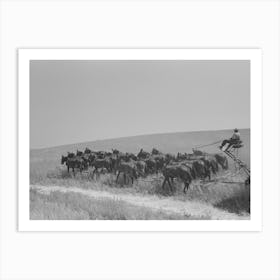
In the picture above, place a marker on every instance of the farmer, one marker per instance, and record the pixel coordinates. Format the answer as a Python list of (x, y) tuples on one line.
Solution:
[(235, 139)]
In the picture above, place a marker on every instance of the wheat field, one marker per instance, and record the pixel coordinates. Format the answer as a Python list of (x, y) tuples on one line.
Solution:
[(56, 194)]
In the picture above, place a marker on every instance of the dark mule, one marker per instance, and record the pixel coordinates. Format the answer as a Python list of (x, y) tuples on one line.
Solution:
[(130, 156), (141, 167), (181, 156), (179, 171), (143, 155), (211, 163), (73, 162), (169, 158), (151, 165), (87, 151), (79, 153), (222, 161), (128, 169), (155, 152), (198, 152), (160, 161), (64, 159), (201, 169), (101, 163)]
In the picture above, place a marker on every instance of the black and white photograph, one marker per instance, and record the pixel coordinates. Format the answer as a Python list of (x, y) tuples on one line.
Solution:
[(139, 139)]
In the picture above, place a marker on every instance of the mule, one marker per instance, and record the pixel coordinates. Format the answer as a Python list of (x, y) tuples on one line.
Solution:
[(179, 171), (128, 169)]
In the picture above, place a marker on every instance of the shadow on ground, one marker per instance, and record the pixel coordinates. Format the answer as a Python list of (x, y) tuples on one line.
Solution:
[(238, 203)]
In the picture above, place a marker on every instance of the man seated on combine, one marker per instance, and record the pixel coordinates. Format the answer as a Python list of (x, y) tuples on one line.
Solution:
[(235, 139)]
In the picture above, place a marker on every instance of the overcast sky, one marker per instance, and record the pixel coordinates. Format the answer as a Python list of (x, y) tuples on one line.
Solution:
[(78, 101)]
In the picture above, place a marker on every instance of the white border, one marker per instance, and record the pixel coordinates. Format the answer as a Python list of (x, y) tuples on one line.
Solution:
[(254, 55)]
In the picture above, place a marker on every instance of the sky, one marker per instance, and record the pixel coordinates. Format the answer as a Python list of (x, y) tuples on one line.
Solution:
[(78, 101)]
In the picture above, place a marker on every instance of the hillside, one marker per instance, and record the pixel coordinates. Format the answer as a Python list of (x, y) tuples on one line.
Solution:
[(55, 194), (167, 143)]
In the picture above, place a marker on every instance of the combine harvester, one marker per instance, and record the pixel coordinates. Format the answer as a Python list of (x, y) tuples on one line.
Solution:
[(233, 153)]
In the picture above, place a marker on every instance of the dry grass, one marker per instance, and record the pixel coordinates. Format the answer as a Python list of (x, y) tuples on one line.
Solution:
[(73, 206), (221, 192)]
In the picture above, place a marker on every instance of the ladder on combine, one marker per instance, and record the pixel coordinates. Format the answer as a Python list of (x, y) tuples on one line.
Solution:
[(240, 163)]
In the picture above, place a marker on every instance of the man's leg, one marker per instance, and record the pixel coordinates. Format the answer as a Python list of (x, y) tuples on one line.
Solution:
[(226, 141), (230, 143)]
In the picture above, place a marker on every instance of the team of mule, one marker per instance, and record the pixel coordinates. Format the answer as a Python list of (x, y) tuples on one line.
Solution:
[(184, 167)]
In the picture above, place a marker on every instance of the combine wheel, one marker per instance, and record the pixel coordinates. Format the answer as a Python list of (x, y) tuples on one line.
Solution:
[(247, 182)]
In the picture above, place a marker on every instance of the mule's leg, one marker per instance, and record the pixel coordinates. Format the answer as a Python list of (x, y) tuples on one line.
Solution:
[(131, 180), (94, 173), (186, 186), (164, 183), (118, 176), (68, 168), (98, 173), (170, 186), (209, 175), (124, 178)]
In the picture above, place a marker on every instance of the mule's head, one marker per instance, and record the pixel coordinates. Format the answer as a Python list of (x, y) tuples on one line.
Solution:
[(133, 156), (70, 155), (140, 153), (63, 159), (197, 152), (87, 151), (115, 151), (155, 151)]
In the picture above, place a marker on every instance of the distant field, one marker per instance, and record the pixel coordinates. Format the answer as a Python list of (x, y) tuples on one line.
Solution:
[(225, 192)]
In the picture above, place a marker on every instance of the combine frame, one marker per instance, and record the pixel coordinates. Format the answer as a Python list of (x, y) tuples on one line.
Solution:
[(239, 162)]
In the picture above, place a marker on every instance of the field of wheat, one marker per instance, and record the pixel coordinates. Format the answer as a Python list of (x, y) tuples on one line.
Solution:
[(57, 194), (226, 191)]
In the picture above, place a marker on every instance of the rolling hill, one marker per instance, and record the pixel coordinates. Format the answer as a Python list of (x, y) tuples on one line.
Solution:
[(55, 194)]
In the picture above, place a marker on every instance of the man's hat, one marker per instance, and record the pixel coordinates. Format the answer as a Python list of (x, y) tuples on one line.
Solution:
[(235, 130)]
